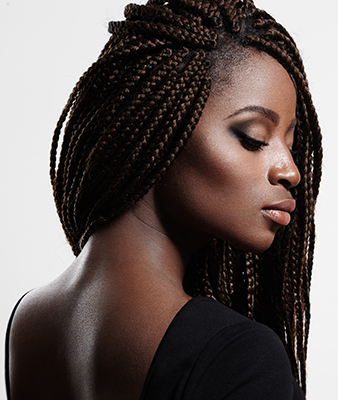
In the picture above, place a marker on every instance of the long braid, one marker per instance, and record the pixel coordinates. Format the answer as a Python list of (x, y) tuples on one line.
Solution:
[(132, 113), (250, 272), (225, 279)]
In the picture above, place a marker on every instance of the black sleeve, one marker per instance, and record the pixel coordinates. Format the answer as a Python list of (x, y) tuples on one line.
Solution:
[(245, 362)]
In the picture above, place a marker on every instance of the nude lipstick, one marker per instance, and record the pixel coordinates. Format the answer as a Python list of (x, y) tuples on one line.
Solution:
[(280, 212)]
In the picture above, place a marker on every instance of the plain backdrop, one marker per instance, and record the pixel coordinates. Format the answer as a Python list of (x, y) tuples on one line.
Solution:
[(44, 47)]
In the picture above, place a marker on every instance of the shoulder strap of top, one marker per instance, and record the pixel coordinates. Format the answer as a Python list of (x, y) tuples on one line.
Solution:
[(8, 331)]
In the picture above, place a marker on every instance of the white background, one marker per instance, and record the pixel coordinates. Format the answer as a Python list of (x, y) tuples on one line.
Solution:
[(44, 47)]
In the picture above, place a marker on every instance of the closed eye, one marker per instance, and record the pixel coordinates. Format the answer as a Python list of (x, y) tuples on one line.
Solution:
[(247, 141)]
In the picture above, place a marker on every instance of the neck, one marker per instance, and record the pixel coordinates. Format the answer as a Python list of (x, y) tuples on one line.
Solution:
[(141, 250)]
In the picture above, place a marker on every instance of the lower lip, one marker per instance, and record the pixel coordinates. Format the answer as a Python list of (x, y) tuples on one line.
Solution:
[(278, 216)]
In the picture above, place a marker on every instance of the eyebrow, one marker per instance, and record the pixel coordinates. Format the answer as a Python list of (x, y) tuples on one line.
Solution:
[(269, 114)]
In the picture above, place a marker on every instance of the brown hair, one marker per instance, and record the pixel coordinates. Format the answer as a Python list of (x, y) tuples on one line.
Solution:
[(131, 114)]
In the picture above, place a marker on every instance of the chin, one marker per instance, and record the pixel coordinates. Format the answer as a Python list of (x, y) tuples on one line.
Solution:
[(257, 245)]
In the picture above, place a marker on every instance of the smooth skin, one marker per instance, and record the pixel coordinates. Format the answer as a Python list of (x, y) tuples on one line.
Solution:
[(93, 332)]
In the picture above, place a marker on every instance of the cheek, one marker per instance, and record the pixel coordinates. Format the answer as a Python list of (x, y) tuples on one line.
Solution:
[(211, 184), (223, 173), (218, 191)]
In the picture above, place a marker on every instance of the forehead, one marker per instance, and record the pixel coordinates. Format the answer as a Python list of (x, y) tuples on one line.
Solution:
[(261, 81)]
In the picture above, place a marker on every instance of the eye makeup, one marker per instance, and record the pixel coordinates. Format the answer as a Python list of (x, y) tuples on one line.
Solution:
[(248, 142)]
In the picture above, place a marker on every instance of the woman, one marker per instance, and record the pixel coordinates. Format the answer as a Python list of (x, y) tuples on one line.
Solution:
[(187, 145)]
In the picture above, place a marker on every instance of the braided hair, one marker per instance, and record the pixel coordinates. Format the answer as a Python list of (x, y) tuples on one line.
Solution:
[(130, 116)]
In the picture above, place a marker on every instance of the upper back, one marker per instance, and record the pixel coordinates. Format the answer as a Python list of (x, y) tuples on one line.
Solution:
[(73, 339), (59, 345)]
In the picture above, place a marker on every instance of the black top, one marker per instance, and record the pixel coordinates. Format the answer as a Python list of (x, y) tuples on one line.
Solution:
[(210, 352)]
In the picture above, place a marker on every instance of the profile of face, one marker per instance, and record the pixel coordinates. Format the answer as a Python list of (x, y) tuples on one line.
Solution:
[(233, 179)]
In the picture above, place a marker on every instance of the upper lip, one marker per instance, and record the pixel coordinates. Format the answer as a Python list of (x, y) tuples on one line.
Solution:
[(287, 205)]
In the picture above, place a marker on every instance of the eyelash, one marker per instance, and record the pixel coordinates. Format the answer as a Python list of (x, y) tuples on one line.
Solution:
[(294, 153), (252, 144), (248, 142)]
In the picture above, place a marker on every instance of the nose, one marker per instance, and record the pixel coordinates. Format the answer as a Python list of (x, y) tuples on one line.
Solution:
[(284, 171)]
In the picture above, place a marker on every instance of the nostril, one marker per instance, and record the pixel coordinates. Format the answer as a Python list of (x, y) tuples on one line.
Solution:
[(285, 183)]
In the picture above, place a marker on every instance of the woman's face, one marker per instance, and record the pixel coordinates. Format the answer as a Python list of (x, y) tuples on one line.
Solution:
[(233, 178)]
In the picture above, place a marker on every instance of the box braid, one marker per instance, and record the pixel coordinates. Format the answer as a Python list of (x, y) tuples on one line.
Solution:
[(130, 116)]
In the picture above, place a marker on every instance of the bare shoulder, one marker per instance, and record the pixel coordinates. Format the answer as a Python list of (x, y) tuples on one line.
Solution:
[(36, 313), (34, 343), (32, 315)]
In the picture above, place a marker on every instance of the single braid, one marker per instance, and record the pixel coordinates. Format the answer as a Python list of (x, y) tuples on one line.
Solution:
[(250, 272), (225, 278)]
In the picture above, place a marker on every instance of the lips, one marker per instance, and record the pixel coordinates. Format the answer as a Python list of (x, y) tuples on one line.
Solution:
[(280, 212)]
